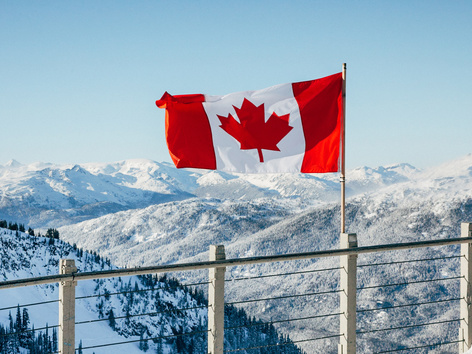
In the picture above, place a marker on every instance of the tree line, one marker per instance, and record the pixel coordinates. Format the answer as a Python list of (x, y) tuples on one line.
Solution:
[(18, 334), (50, 233)]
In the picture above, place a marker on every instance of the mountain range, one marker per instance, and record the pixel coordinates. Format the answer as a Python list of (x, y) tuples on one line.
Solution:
[(140, 212)]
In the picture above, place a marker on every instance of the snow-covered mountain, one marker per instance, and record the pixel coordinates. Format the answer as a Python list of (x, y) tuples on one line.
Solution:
[(46, 195), (396, 198), (270, 214), (108, 310), (39, 194)]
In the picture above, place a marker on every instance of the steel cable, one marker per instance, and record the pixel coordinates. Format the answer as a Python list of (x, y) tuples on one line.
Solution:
[(419, 347), (284, 297), (26, 305), (407, 261), (280, 344), (28, 330), (408, 283), (409, 326), (142, 314), (281, 274), (144, 339), (288, 320), (408, 305), (141, 291)]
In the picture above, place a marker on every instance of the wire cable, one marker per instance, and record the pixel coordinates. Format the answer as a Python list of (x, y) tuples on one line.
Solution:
[(26, 305), (407, 261), (283, 297), (408, 305), (419, 347), (282, 274), (144, 339), (408, 283), (409, 326), (288, 320), (142, 314), (280, 344), (140, 291), (28, 330)]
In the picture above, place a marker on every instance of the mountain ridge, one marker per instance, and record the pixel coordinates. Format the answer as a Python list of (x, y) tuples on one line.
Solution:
[(273, 214)]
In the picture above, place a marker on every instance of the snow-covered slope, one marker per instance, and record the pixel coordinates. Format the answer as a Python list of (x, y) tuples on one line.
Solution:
[(387, 205), (399, 198), (272, 214), (24, 256), (116, 310), (46, 195)]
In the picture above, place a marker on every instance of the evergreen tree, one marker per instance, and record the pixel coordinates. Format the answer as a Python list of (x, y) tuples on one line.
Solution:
[(111, 319), (10, 320), (25, 337), (3, 336), (52, 233), (159, 346), (127, 314), (54, 340), (32, 342), (100, 306), (18, 321), (39, 343), (145, 346), (141, 340), (46, 340)]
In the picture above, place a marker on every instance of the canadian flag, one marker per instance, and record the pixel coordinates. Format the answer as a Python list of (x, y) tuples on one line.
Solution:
[(285, 128)]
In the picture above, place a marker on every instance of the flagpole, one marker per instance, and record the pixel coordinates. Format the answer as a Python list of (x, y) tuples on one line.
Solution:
[(343, 154)]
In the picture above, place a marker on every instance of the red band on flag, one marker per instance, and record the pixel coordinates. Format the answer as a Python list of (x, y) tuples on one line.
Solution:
[(189, 136), (320, 104)]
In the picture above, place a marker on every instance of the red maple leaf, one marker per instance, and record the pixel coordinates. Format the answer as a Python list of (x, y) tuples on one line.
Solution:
[(252, 131)]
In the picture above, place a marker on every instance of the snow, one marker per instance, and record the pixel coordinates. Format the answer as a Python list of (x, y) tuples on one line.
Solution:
[(149, 305), (39, 261), (75, 193), (261, 215), (24, 256)]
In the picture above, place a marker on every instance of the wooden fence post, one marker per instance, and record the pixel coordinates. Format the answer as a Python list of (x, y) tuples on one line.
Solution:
[(67, 308), (216, 302), (348, 294), (465, 330)]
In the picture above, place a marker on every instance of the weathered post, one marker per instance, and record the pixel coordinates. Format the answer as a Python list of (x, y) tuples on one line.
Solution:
[(67, 308), (348, 293), (465, 330), (216, 302)]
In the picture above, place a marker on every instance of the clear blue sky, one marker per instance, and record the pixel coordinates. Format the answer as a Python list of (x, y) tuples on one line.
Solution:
[(79, 79)]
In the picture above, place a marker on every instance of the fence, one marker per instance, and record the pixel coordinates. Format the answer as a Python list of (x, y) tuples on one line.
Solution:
[(217, 265)]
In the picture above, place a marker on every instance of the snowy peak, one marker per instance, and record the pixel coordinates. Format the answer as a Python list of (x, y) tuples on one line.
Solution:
[(72, 193), (76, 192), (366, 179), (146, 175), (458, 168), (13, 164)]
